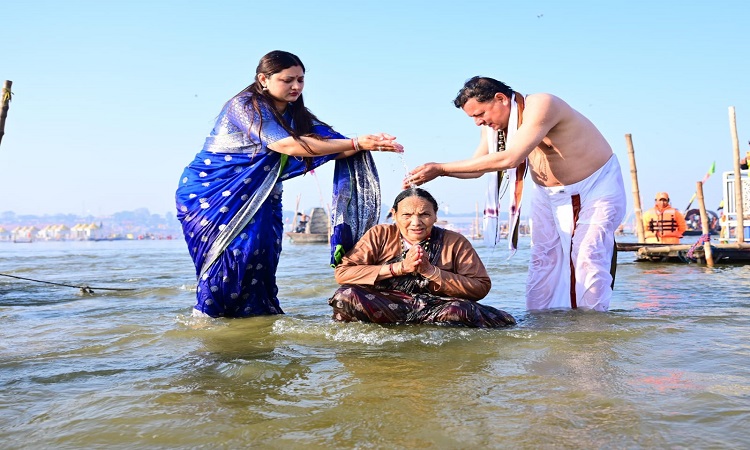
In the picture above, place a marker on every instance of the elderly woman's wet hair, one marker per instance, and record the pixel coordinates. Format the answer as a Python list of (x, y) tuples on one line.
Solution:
[(482, 89), (415, 192)]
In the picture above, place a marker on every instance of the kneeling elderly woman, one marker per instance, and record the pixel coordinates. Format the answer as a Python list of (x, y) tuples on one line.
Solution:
[(413, 272)]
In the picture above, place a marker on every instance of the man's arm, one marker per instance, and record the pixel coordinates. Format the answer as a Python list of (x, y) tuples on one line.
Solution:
[(542, 113)]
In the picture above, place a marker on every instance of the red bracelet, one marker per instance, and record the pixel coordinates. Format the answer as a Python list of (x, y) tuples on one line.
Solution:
[(390, 267), (353, 147)]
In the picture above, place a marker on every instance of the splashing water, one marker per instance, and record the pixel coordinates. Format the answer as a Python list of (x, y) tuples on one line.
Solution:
[(406, 170)]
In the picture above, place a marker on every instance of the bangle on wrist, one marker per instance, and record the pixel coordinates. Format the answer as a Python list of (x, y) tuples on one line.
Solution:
[(432, 276), (390, 268), (355, 143)]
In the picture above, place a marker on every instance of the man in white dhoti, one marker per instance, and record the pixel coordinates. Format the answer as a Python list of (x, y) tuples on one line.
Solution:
[(579, 196)]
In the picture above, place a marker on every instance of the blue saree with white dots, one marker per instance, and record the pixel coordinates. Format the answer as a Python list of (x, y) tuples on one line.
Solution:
[(229, 205)]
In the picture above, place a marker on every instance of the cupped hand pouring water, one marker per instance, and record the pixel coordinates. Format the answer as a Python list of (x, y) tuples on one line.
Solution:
[(423, 174), (380, 142)]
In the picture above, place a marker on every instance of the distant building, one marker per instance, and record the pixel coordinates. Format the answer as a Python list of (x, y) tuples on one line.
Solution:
[(86, 232), (61, 232), (24, 234), (57, 232)]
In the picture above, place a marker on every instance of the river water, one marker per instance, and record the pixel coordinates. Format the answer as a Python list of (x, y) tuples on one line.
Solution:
[(667, 367)]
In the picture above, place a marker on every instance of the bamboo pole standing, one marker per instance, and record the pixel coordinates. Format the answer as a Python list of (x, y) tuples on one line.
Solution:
[(5, 97), (636, 191), (704, 225), (740, 231)]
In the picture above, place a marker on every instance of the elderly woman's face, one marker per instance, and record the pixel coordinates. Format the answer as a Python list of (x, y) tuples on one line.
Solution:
[(415, 217)]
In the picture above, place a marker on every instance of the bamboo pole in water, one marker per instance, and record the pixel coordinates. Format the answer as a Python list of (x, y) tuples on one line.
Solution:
[(5, 97), (740, 232), (636, 191), (704, 224)]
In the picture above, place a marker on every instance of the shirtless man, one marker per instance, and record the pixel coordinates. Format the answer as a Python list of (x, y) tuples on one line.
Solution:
[(579, 196)]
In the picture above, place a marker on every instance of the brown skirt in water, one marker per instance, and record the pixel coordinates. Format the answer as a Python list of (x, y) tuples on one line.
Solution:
[(352, 303)]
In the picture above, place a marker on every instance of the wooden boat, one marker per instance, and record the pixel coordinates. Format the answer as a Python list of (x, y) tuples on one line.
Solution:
[(314, 230), (694, 225)]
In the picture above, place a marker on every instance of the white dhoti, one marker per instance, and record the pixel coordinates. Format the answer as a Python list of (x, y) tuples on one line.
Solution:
[(573, 241)]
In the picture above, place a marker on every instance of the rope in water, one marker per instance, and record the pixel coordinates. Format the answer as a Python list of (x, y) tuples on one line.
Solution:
[(84, 289)]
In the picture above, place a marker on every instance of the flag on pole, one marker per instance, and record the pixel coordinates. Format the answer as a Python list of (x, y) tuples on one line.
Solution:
[(711, 171)]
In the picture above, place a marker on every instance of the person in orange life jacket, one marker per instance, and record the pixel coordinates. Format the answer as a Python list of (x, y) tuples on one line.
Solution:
[(663, 224)]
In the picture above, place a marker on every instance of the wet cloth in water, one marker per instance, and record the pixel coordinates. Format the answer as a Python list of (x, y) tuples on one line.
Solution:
[(352, 303), (229, 205)]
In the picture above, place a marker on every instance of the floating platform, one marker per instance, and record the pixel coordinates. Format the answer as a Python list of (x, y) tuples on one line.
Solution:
[(733, 253)]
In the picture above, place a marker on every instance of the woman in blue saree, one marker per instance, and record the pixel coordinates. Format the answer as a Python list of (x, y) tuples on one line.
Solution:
[(229, 196)]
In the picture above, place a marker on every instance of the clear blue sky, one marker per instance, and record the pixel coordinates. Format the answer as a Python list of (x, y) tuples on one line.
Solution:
[(113, 99)]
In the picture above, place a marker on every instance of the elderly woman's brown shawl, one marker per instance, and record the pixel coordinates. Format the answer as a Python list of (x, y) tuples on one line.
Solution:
[(406, 300)]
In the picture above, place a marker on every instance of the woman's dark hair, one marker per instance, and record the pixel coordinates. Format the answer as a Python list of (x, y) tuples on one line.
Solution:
[(415, 192), (303, 119), (483, 89)]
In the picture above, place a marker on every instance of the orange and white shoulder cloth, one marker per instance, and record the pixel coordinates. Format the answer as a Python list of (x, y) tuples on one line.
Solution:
[(514, 179)]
